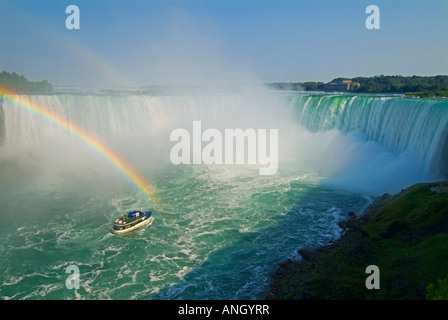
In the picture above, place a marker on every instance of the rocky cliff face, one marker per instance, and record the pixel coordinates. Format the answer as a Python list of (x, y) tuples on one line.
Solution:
[(405, 235)]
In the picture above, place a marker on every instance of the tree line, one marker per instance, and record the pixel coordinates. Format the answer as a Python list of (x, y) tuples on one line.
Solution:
[(19, 83), (422, 86)]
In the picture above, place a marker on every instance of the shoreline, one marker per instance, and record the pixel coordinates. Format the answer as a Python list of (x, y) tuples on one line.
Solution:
[(405, 235)]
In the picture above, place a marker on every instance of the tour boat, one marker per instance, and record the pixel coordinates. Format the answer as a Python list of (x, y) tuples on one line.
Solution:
[(131, 221)]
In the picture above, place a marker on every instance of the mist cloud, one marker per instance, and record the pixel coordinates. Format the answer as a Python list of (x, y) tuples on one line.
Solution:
[(190, 51)]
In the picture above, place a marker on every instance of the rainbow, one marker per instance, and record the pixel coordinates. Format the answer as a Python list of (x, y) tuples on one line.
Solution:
[(96, 62), (93, 142)]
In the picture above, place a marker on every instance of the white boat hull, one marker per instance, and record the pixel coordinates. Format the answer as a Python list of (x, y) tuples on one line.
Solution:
[(134, 227)]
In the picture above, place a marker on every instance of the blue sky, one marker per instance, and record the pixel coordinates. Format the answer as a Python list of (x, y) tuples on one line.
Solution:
[(140, 42)]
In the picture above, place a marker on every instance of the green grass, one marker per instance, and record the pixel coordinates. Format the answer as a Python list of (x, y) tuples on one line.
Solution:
[(437, 291)]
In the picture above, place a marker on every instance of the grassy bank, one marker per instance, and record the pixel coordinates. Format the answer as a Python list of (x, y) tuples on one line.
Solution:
[(405, 235)]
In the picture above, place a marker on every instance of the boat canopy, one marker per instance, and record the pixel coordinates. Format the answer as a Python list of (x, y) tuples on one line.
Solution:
[(137, 213)]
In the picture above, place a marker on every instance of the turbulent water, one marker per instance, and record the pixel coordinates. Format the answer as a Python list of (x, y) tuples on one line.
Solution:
[(220, 229)]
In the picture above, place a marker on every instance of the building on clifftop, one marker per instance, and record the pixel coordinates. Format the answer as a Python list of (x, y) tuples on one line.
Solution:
[(342, 85)]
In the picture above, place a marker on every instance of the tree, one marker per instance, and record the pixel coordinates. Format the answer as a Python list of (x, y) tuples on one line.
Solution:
[(19, 83)]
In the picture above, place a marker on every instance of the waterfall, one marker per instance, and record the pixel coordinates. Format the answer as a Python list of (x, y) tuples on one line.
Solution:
[(400, 124), (2, 122), (138, 126)]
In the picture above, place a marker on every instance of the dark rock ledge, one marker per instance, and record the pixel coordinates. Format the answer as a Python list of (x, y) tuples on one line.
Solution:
[(389, 235)]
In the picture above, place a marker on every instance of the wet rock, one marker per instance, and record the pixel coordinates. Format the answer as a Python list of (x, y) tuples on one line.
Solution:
[(352, 223), (309, 255), (284, 263)]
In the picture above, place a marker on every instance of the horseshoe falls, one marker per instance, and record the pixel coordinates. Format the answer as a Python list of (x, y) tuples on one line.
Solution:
[(413, 131), (220, 230)]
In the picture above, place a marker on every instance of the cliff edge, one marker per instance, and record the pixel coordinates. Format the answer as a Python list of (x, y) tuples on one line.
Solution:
[(405, 236)]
